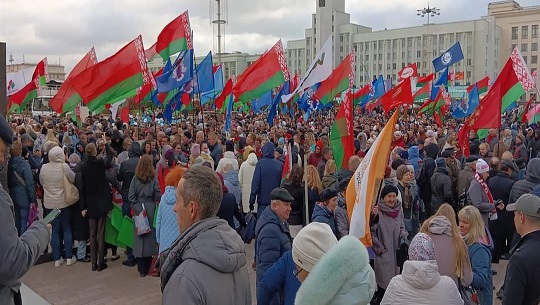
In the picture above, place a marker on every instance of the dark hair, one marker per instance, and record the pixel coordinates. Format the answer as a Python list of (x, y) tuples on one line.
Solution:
[(202, 185), (296, 175), (145, 169)]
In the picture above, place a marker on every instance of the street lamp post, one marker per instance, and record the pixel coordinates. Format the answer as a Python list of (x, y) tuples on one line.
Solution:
[(429, 12)]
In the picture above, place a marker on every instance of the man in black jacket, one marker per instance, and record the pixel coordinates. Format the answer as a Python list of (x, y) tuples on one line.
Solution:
[(426, 170), (441, 186), (125, 175), (523, 271)]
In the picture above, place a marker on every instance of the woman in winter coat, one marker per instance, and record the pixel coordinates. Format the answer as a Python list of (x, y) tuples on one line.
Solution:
[(295, 187), (228, 209), (479, 243), (410, 200), (96, 203), (245, 176), (144, 192), (479, 192), (329, 178), (166, 223), (52, 179), (388, 233), (21, 186), (420, 281), (341, 276), (79, 224), (230, 177), (451, 252), (314, 188)]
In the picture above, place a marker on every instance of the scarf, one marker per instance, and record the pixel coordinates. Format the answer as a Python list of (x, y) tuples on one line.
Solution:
[(407, 195), (392, 212), (484, 187)]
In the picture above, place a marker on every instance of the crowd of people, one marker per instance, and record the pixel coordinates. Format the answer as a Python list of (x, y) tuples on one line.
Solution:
[(441, 220)]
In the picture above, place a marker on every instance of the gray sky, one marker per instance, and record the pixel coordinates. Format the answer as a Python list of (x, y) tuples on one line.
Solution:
[(65, 29)]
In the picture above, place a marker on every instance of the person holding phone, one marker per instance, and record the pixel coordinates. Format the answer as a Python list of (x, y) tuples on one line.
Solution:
[(17, 254)]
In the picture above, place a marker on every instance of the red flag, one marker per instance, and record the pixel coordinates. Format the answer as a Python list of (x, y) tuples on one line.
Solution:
[(422, 80), (527, 107), (408, 71), (488, 112), (463, 139), (185, 99), (342, 133), (124, 114), (227, 90), (287, 166), (337, 82), (373, 104), (399, 95), (460, 75), (175, 37)]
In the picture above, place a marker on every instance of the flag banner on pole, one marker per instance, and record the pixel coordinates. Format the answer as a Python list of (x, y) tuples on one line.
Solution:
[(399, 95), (17, 80), (448, 58), (342, 133), (442, 80), (204, 75), (178, 74), (364, 186), (510, 86), (407, 72), (425, 79), (522, 71), (175, 37), (319, 70), (482, 86), (337, 82)]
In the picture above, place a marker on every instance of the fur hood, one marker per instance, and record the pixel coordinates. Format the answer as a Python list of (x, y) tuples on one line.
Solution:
[(342, 276)]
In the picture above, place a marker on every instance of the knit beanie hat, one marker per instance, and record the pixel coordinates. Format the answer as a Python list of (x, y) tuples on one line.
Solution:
[(440, 163), (401, 171), (229, 146), (421, 248), (311, 243), (482, 166), (387, 189)]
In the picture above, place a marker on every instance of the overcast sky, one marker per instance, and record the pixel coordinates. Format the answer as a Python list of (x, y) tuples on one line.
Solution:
[(65, 29)]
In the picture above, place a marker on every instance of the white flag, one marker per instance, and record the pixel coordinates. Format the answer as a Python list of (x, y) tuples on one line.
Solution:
[(16, 80), (319, 70), (114, 108)]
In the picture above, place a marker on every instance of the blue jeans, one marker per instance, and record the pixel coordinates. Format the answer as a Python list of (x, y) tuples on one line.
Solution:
[(81, 249), (21, 220), (62, 223), (126, 211)]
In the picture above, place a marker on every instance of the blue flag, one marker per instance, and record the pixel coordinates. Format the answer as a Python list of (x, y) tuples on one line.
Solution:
[(450, 57), (171, 107), (442, 80), (264, 100), (218, 86), (466, 107), (285, 89), (178, 75), (204, 76), (306, 101), (229, 110), (378, 89)]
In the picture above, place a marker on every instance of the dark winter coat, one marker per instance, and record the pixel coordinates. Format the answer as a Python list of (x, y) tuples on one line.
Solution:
[(273, 239), (313, 198), (216, 152), (523, 272), (96, 196), (279, 277), (323, 215), (79, 224), (297, 206), (500, 187), (127, 169), (464, 180), (267, 177), (424, 175), (21, 194), (532, 180), (228, 210), (441, 188)]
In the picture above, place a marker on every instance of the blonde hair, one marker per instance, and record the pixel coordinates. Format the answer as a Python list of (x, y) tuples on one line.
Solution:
[(312, 179), (310, 138), (462, 261), (330, 167), (51, 137), (471, 215)]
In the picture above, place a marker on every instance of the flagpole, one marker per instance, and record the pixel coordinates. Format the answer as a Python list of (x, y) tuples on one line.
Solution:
[(306, 201)]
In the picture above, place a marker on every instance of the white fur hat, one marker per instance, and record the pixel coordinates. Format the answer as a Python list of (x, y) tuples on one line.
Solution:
[(482, 166), (311, 243)]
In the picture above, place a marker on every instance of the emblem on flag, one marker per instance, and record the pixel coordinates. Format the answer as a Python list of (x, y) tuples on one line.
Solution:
[(446, 58)]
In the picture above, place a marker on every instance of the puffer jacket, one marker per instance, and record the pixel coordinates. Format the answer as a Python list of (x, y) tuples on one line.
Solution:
[(342, 276), (323, 215), (232, 183), (531, 181), (480, 200), (441, 188), (206, 265), (245, 176), (420, 283), (22, 194), (228, 158), (52, 180), (267, 176), (167, 230), (127, 169), (273, 239), (279, 277), (480, 255)]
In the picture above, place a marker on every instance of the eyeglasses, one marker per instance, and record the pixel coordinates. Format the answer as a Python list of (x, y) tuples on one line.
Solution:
[(296, 272)]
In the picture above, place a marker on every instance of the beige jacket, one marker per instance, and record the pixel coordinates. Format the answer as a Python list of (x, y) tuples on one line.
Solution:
[(51, 178)]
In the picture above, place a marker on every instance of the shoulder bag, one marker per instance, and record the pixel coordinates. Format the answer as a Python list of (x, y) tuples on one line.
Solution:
[(71, 194)]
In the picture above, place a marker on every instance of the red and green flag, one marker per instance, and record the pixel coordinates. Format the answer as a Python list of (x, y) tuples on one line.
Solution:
[(76, 115), (265, 74), (483, 86), (18, 100), (175, 37), (523, 115), (225, 93), (422, 93), (425, 79), (337, 82), (342, 133), (509, 86), (115, 78), (41, 75), (67, 99), (533, 115), (144, 93), (362, 94)]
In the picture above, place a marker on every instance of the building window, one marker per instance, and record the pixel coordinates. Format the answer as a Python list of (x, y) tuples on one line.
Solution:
[(418, 54), (341, 48), (388, 56), (534, 31), (418, 65), (387, 66), (322, 3), (367, 57), (525, 59), (534, 46), (468, 74), (469, 62), (524, 47), (534, 59), (394, 66), (341, 38), (380, 67), (525, 32), (367, 47)]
